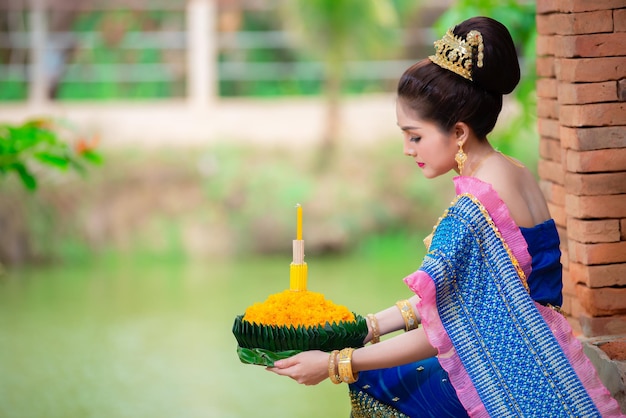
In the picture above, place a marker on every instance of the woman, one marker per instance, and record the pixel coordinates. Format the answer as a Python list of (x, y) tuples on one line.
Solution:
[(487, 293)]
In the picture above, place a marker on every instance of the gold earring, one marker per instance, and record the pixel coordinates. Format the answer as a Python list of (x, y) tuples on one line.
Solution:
[(460, 157)]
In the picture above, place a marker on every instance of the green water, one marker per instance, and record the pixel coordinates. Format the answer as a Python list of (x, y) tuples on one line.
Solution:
[(119, 337)]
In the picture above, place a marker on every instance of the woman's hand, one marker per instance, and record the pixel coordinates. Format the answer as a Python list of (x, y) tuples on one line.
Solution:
[(307, 368)]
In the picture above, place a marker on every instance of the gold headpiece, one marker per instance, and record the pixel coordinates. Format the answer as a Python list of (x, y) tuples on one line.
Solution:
[(455, 54)]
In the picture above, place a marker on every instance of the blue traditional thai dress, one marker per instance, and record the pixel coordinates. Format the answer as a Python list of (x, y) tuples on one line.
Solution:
[(488, 294)]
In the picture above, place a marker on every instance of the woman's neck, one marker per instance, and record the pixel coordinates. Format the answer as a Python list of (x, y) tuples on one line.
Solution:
[(476, 156)]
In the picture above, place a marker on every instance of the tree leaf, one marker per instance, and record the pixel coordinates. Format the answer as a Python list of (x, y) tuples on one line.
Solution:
[(92, 157), (54, 160), (27, 178)]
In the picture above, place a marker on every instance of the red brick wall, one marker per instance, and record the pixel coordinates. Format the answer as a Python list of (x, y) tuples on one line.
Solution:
[(581, 108)]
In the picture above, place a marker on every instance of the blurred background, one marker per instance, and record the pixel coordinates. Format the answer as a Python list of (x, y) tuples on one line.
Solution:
[(151, 157)]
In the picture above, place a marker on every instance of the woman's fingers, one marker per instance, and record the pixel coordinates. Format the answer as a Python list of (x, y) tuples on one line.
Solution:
[(308, 368), (288, 362)]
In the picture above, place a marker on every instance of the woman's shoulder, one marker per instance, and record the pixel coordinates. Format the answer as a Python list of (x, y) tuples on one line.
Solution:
[(517, 188), (488, 198)]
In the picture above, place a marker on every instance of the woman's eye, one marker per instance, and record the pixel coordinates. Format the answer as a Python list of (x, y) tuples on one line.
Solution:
[(414, 138)]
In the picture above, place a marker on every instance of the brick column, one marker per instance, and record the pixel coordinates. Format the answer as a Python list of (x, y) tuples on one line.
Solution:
[(581, 89)]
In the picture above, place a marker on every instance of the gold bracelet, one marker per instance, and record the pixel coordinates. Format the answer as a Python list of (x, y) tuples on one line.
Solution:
[(375, 330), (345, 366), (410, 320), (332, 370)]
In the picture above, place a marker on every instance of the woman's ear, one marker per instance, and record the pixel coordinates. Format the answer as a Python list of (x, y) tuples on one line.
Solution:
[(461, 132)]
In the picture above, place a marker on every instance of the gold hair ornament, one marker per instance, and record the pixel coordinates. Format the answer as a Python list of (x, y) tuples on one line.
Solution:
[(455, 54)]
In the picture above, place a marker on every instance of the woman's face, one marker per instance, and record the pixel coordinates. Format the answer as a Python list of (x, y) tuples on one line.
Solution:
[(432, 149)]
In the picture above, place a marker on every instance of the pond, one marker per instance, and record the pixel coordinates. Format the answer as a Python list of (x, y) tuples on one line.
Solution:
[(117, 337)]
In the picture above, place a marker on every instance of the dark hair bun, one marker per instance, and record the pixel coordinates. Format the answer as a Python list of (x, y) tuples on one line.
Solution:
[(500, 72)]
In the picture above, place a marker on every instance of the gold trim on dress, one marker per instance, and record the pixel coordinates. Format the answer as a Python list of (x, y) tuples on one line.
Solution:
[(365, 406), (494, 227)]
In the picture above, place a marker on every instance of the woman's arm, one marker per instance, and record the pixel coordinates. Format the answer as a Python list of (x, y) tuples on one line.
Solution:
[(311, 367), (391, 320), (401, 349)]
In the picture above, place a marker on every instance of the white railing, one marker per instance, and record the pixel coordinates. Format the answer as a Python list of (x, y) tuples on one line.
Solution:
[(199, 42), (43, 49)]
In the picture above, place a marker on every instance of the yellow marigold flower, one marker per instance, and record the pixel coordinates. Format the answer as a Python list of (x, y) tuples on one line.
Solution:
[(301, 308)]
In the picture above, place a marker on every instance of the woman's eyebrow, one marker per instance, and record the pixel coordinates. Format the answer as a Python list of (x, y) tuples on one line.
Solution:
[(408, 128)]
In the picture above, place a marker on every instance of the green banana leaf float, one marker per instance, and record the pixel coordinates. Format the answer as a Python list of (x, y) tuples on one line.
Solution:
[(264, 344)]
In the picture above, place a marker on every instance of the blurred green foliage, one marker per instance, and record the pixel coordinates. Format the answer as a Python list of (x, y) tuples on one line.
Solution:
[(225, 200), (326, 32), (28, 147)]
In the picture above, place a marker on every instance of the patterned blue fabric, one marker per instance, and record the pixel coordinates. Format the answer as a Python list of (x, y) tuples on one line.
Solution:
[(419, 389), (422, 389), (510, 354)]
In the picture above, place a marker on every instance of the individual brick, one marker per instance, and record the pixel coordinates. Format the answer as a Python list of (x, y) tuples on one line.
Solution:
[(564, 247), (602, 326), (577, 6), (581, 93), (595, 184), (568, 291), (576, 307), (545, 66), (598, 161), (545, 24), (596, 207), (594, 114), (598, 21), (593, 231), (548, 108), (594, 45), (550, 170), (594, 138), (547, 88), (590, 70), (619, 20), (545, 45), (557, 212), (597, 253), (549, 128), (602, 275), (566, 306), (550, 149), (554, 193), (602, 301), (546, 6)]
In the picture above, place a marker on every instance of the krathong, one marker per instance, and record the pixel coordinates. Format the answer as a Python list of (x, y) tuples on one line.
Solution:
[(296, 319)]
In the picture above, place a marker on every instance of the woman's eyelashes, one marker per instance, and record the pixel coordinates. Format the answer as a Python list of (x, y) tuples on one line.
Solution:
[(415, 138)]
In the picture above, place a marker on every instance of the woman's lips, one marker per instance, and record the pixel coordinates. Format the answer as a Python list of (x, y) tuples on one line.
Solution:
[(421, 165)]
